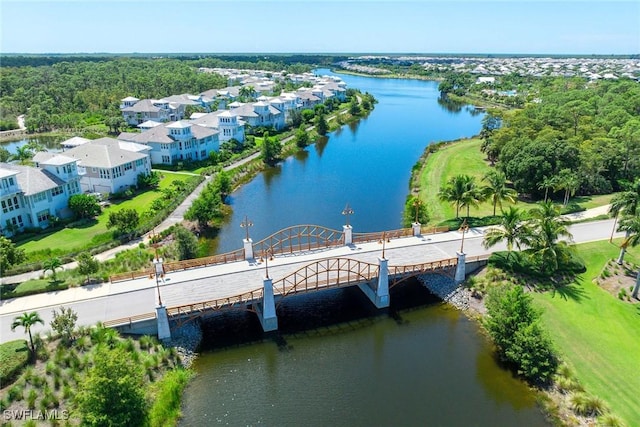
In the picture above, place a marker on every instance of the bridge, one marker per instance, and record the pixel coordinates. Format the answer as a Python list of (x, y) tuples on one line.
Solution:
[(260, 276), (303, 258)]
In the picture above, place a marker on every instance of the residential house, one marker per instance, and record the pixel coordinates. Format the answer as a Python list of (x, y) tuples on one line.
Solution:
[(228, 124), (260, 114), (175, 142), (107, 165), (30, 196), (148, 109)]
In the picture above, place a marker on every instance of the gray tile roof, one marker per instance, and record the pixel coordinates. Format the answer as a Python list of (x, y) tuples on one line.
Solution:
[(32, 180), (160, 134), (142, 106), (103, 153)]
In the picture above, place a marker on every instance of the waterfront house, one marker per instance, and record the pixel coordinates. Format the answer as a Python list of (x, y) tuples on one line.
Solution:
[(107, 165), (227, 123), (260, 114), (30, 196), (147, 109), (174, 142)]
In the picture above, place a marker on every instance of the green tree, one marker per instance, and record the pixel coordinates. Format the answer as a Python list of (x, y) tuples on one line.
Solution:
[(627, 204), (354, 107), (5, 155), (186, 243), (222, 184), (322, 127), (271, 149), (10, 254), (307, 115), (23, 154), (124, 221), (497, 190), (302, 137), (454, 191), (568, 181), (150, 180), (631, 225), (112, 393), (513, 324), (52, 264), (207, 207), (84, 206), (26, 321), (64, 324), (415, 211), (548, 227), (87, 264), (512, 228)]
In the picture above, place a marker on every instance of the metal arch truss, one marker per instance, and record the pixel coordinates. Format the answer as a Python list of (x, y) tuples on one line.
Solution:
[(299, 238), (324, 274)]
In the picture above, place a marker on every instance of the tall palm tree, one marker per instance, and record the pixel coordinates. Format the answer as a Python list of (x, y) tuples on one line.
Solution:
[(631, 224), (454, 192), (27, 320), (548, 227), (512, 228), (473, 194), (626, 203), (52, 264), (496, 189)]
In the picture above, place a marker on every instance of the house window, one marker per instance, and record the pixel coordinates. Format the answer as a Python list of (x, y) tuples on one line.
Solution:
[(139, 162), (43, 215), (39, 197), (105, 173), (203, 154), (57, 191), (128, 166), (166, 159), (10, 204)]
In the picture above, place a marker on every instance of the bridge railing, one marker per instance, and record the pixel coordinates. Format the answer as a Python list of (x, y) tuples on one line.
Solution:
[(433, 230), (120, 277), (215, 304), (129, 320), (237, 255), (377, 235)]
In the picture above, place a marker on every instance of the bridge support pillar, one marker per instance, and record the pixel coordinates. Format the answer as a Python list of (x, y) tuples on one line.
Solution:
[(348, 234), (267, 310), (248, 249), (164, 331), (416, 227), (461, 267), (380, 295)]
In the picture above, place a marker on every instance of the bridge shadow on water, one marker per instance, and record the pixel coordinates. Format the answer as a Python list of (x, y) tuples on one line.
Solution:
[(328, 312)]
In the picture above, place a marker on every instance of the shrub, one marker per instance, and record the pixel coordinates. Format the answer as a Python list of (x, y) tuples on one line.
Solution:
[(14, 355), (587, 405), (610, 420)]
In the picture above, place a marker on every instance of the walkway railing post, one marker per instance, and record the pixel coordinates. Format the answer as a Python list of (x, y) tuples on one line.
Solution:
[(416, 227), (162, 319), (248, 249)]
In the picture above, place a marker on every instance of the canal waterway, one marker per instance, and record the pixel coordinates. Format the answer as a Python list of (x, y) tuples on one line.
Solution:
[(335, 360), (367, 165)]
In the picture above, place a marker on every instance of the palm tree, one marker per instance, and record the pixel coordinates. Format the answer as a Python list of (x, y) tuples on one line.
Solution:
[(454, 192), (52, 264), (27, 320), (631, 224), (473, 194), (23, 154), (496, 189), (569, 182), (547, 229), (512, 228), (546, 184), (627, 204)]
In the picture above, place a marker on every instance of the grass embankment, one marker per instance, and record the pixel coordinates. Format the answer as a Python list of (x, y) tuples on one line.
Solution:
[(464, 157), (597, 334), (14, 355)]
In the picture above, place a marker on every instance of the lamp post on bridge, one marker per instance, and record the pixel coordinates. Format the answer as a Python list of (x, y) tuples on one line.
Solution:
[(347, 229), (266, 256), (383, 241), (159, 269), (162, 319), (247, 242)]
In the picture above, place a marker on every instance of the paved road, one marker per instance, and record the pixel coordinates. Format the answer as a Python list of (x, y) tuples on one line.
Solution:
[(110, 301)]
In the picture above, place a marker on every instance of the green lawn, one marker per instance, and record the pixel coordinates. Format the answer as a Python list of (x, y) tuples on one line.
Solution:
[(597, 334), (465, 157), (13, 356), (70, 238)]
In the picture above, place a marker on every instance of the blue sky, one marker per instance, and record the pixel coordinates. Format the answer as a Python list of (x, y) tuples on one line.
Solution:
[(419, 26)]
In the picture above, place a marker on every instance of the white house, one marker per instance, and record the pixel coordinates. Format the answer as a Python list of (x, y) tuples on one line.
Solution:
[(107, 165), (260, 114), (175, 142), (30, 196), (228, 124), (147, 109)]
